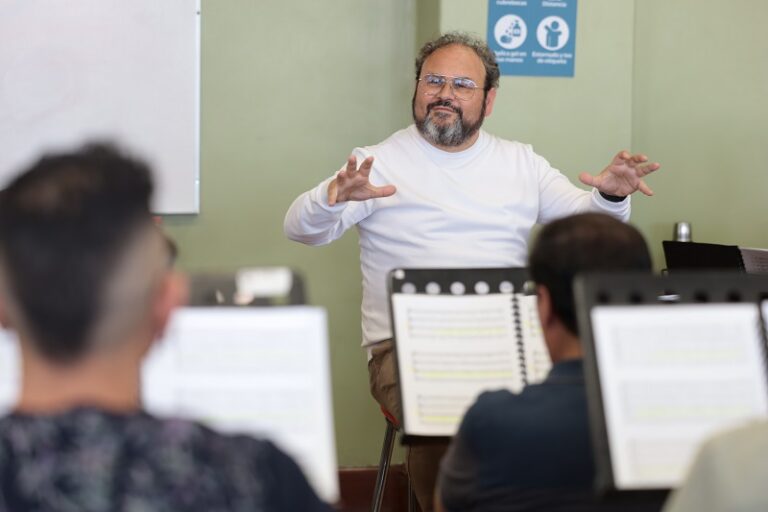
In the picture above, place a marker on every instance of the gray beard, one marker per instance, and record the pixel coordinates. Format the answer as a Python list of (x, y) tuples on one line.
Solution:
[(450, 135)]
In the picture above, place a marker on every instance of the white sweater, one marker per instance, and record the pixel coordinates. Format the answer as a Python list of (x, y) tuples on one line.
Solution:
[(474, 208)]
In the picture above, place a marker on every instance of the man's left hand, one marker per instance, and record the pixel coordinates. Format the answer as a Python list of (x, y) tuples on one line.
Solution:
[(623, 176)]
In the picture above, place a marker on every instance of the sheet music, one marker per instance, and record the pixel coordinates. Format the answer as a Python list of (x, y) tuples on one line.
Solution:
[(450, 349), (10, 370), (671, 376), (537, 361), (755, 260), (261, 371)]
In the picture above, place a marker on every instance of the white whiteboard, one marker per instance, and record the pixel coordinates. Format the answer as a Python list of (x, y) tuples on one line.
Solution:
[(128, 72)]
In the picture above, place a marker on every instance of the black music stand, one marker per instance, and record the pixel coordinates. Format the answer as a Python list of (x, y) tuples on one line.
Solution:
[(635, 289), (221, 289), (688, 256)]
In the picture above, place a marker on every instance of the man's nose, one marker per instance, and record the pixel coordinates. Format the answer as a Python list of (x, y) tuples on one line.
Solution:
[(446, 91)]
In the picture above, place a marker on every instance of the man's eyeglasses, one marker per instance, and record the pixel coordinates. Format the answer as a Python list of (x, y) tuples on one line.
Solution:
[(463, 88)]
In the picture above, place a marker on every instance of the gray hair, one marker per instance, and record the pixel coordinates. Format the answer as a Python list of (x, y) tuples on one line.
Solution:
[(473, 43)]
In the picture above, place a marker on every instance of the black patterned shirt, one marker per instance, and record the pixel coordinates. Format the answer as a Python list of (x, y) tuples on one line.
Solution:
[(87, 460)]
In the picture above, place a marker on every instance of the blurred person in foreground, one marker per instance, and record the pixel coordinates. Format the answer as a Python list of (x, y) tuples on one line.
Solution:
[(728, 473), (86, 283)]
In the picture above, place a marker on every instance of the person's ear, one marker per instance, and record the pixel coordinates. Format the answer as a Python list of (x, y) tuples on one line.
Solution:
[(544, 303), (490, 98), (172, 292), (5, 319)]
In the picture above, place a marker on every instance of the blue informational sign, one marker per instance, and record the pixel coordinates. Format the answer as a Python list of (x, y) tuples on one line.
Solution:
[(533, 37)]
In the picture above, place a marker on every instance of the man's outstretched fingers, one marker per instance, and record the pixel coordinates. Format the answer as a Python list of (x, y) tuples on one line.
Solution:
[(365, 167), (645, 189)]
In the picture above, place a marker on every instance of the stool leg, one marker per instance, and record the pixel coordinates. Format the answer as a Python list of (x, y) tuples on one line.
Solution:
[(381, 475), (413, 506)]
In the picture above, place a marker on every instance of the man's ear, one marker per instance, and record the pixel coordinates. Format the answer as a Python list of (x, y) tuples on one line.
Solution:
[(544, 303), (5, 320), (172, 292), (490, 98)]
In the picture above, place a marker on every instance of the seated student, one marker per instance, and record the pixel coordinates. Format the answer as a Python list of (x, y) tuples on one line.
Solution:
[(728, 474), (532, 451), (85, 281)]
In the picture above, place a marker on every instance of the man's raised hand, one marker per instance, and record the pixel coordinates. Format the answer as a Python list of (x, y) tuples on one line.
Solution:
[(623, 176), (352, 184)]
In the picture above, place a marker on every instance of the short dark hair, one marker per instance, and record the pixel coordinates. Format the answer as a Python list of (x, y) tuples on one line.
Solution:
[(473, 43), (63, 225), (583, 243)]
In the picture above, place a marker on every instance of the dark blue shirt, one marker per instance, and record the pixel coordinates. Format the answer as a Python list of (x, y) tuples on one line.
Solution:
[(526, 451), (88, 460)]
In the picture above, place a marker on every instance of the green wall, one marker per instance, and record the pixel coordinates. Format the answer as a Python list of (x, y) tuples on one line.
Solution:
[(288, 89), (577, 123), (699, 107), (683, 81)]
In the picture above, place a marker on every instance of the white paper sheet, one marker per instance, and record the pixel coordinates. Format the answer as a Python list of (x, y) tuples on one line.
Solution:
[(671, 376), (261, 371), (10, 370), (450, 349)]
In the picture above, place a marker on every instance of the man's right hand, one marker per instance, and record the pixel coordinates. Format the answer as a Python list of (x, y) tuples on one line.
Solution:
[(352, 184)]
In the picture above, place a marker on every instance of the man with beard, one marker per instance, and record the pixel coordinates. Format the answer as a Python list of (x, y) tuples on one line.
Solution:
[(444, 193)]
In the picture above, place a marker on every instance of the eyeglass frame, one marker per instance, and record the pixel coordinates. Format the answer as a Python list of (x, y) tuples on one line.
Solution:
[(452, 83)]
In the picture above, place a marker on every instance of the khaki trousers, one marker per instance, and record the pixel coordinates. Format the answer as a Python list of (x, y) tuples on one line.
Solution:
[(422, 461)]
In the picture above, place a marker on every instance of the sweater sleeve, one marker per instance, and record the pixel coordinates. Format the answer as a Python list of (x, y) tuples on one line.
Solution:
[(558, 197), (311, 221)]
